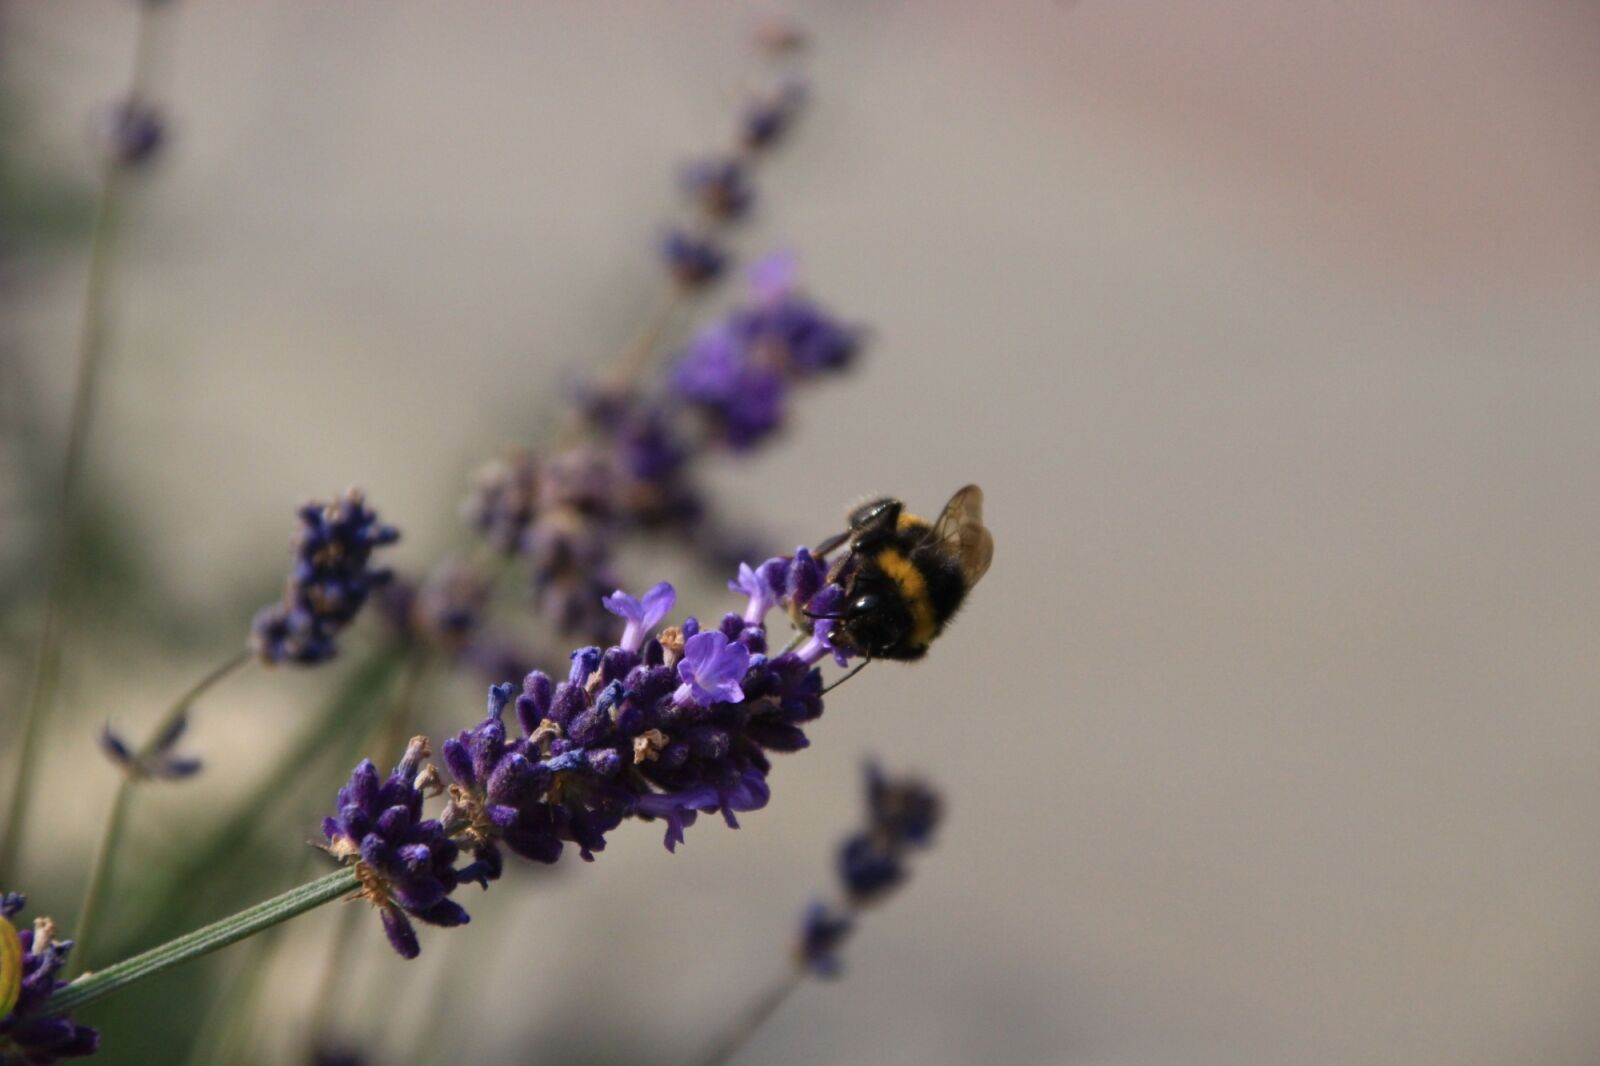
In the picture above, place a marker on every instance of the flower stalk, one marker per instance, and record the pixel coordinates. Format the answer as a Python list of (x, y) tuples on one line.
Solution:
[(100, 877), (204, 941), (93, 332)]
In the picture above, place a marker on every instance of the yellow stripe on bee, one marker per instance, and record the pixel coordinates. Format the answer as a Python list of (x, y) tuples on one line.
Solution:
[(10, 967), (914, 589), (910, 521)]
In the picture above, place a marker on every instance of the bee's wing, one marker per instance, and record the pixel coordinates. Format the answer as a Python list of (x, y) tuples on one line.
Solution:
[(961, 530)]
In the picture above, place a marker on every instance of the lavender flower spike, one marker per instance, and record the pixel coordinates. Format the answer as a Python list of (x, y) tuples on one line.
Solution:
[(667, 726), (330, 582), (641, 615), (30, 958), (711, 670)]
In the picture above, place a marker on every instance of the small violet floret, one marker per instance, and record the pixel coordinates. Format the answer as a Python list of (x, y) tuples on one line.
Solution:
[(711, 670), (641, 615)]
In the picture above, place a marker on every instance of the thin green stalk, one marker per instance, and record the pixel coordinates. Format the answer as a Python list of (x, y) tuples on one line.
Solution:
[(93, 330), (195, 869), (737, 1035), (227, 1027), (203, 941), (100, 877)]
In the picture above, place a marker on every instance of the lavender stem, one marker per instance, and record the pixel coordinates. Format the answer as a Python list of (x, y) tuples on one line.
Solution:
[(105, 858), (91, 347)]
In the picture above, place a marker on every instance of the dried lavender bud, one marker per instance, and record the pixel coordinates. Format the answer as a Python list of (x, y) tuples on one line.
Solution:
[(329, 584), (30, 959)]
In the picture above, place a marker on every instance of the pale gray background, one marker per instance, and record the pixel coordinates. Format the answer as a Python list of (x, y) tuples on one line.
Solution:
[(1270, 330)]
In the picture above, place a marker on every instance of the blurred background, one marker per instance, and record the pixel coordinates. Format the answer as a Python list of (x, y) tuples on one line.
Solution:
[(1269, 330)]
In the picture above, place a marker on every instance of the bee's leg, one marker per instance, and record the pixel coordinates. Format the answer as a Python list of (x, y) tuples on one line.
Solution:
[(845, 678), (821, 550)]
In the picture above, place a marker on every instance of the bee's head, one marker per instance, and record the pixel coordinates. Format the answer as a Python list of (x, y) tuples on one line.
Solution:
[(874, 623)]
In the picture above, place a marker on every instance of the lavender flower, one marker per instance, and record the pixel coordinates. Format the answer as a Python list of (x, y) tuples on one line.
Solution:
[(737, 372), (406, 863), (823, 932), (446, 609), (504, 500), (662, 725), (902, 814), (694, 261), (768, 118), (130, 133), (721, 186), (329, 584), (30, 959), (160, 763), (641, 615)]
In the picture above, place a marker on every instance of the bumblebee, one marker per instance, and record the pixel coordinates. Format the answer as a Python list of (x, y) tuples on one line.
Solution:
[(903, 578)]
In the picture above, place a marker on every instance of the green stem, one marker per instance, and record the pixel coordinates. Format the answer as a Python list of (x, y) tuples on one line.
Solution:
[(93, 329), (100, 877), (204, 941), (744, 1027), (215, 851)]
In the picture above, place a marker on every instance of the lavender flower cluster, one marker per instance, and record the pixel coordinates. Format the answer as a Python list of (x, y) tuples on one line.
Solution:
[(564, 513), (30, 960), (902, 814), (330, 582), (666, 725)]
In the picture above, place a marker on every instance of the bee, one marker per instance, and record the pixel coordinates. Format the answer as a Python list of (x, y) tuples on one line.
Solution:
[(904, 579)]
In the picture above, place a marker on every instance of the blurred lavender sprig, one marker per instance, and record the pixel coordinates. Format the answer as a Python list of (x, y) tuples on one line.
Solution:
[(902, 814)]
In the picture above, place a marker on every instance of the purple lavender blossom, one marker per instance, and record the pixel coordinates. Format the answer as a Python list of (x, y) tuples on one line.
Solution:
[(768, 118), (504, 500), (446, 609), (663, 725), (406, 863), (694, 261), (130, 133), (744, 399), (711, 669), (330, 582), (641, 615), (738, 371), (822, 932), (160, 763), (721, 186), (902, 814), (765, 585), (29, 1034)]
